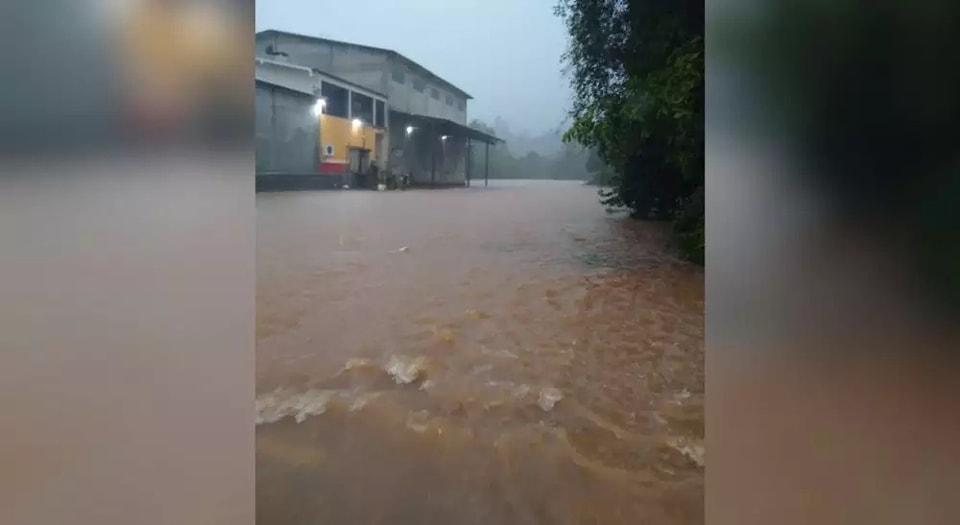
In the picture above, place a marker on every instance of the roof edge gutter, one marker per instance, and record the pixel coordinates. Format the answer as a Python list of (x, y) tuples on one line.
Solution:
[(284, 64)]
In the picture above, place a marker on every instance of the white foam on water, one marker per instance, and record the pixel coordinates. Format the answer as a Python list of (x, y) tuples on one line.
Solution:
[(689, 448), (518, 391), (504, 354), (482, 369), (406, 370), (681, 396), (281, 403), (417, 421), (362, 400), (521, 391), (357, 362), (549, 397)]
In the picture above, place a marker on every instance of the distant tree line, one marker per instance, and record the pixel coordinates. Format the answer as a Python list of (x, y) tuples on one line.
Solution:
[(637, 72), (570, 162)]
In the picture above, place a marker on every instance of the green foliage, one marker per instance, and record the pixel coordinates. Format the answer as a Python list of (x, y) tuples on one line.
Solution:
[(601, 174), (638, 75), (689, 228)]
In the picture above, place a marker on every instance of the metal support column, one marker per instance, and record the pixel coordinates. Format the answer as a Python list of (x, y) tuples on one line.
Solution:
[(486, 168), (433, 155)]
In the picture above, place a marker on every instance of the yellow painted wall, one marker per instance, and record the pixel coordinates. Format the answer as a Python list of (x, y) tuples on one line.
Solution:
[(339, 132)]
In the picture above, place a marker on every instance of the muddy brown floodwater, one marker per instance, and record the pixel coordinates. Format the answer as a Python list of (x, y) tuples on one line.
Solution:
[(511, 355)]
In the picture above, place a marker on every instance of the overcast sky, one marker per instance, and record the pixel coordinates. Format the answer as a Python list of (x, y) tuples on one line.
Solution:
[(506, 53)]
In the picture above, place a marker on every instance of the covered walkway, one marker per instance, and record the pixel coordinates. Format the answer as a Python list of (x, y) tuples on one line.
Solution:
[(438, 148)]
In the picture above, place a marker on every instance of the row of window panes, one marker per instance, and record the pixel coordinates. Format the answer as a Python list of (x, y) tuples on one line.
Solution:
[(420, 85), (363, 105)]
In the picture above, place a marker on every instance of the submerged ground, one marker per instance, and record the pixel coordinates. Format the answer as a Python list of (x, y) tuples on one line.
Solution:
[(504, 355)]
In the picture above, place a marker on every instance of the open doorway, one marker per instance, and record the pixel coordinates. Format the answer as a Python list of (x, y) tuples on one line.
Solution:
[(359, 166)]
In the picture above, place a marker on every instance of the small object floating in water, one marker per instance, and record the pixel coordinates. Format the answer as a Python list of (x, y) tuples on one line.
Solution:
[(549, 397), (404, 249)]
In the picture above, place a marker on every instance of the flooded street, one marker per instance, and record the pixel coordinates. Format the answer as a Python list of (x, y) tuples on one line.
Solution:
[(504, 355)]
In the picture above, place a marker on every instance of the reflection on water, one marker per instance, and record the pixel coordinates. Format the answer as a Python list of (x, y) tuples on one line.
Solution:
[(510, 355)]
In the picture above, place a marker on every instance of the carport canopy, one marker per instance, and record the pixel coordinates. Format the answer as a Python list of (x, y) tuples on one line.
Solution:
[(443, 126)]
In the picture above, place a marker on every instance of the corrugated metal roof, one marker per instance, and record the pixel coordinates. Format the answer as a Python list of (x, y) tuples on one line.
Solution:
[(433, 75)]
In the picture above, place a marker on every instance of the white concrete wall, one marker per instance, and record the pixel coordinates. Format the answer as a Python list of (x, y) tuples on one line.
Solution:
[(366, 68), (403, 96), (372, 70), (286, 132)]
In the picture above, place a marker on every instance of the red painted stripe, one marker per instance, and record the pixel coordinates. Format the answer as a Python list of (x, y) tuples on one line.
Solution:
[(332, 167)]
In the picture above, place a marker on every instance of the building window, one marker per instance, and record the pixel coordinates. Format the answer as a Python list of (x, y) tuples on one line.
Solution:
[(381, 116), (336, 97), (419, 84), (399, 76), (434, 93), (449, 100), (362, 107), (461, 105)]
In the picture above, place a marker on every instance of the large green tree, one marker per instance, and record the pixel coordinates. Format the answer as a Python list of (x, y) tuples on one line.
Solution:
[(637, 73)]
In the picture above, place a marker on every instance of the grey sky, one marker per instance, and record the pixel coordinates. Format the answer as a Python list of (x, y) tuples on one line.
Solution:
[(506, 53)]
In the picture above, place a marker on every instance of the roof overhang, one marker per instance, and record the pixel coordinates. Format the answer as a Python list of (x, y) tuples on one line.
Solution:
[(295, 90), (443, 126)]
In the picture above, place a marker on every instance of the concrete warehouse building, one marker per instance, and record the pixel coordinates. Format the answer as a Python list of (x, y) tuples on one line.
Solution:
[(310, 124), (329, 110)]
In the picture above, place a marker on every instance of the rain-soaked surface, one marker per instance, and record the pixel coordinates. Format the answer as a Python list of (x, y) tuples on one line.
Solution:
[(508, 355)]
